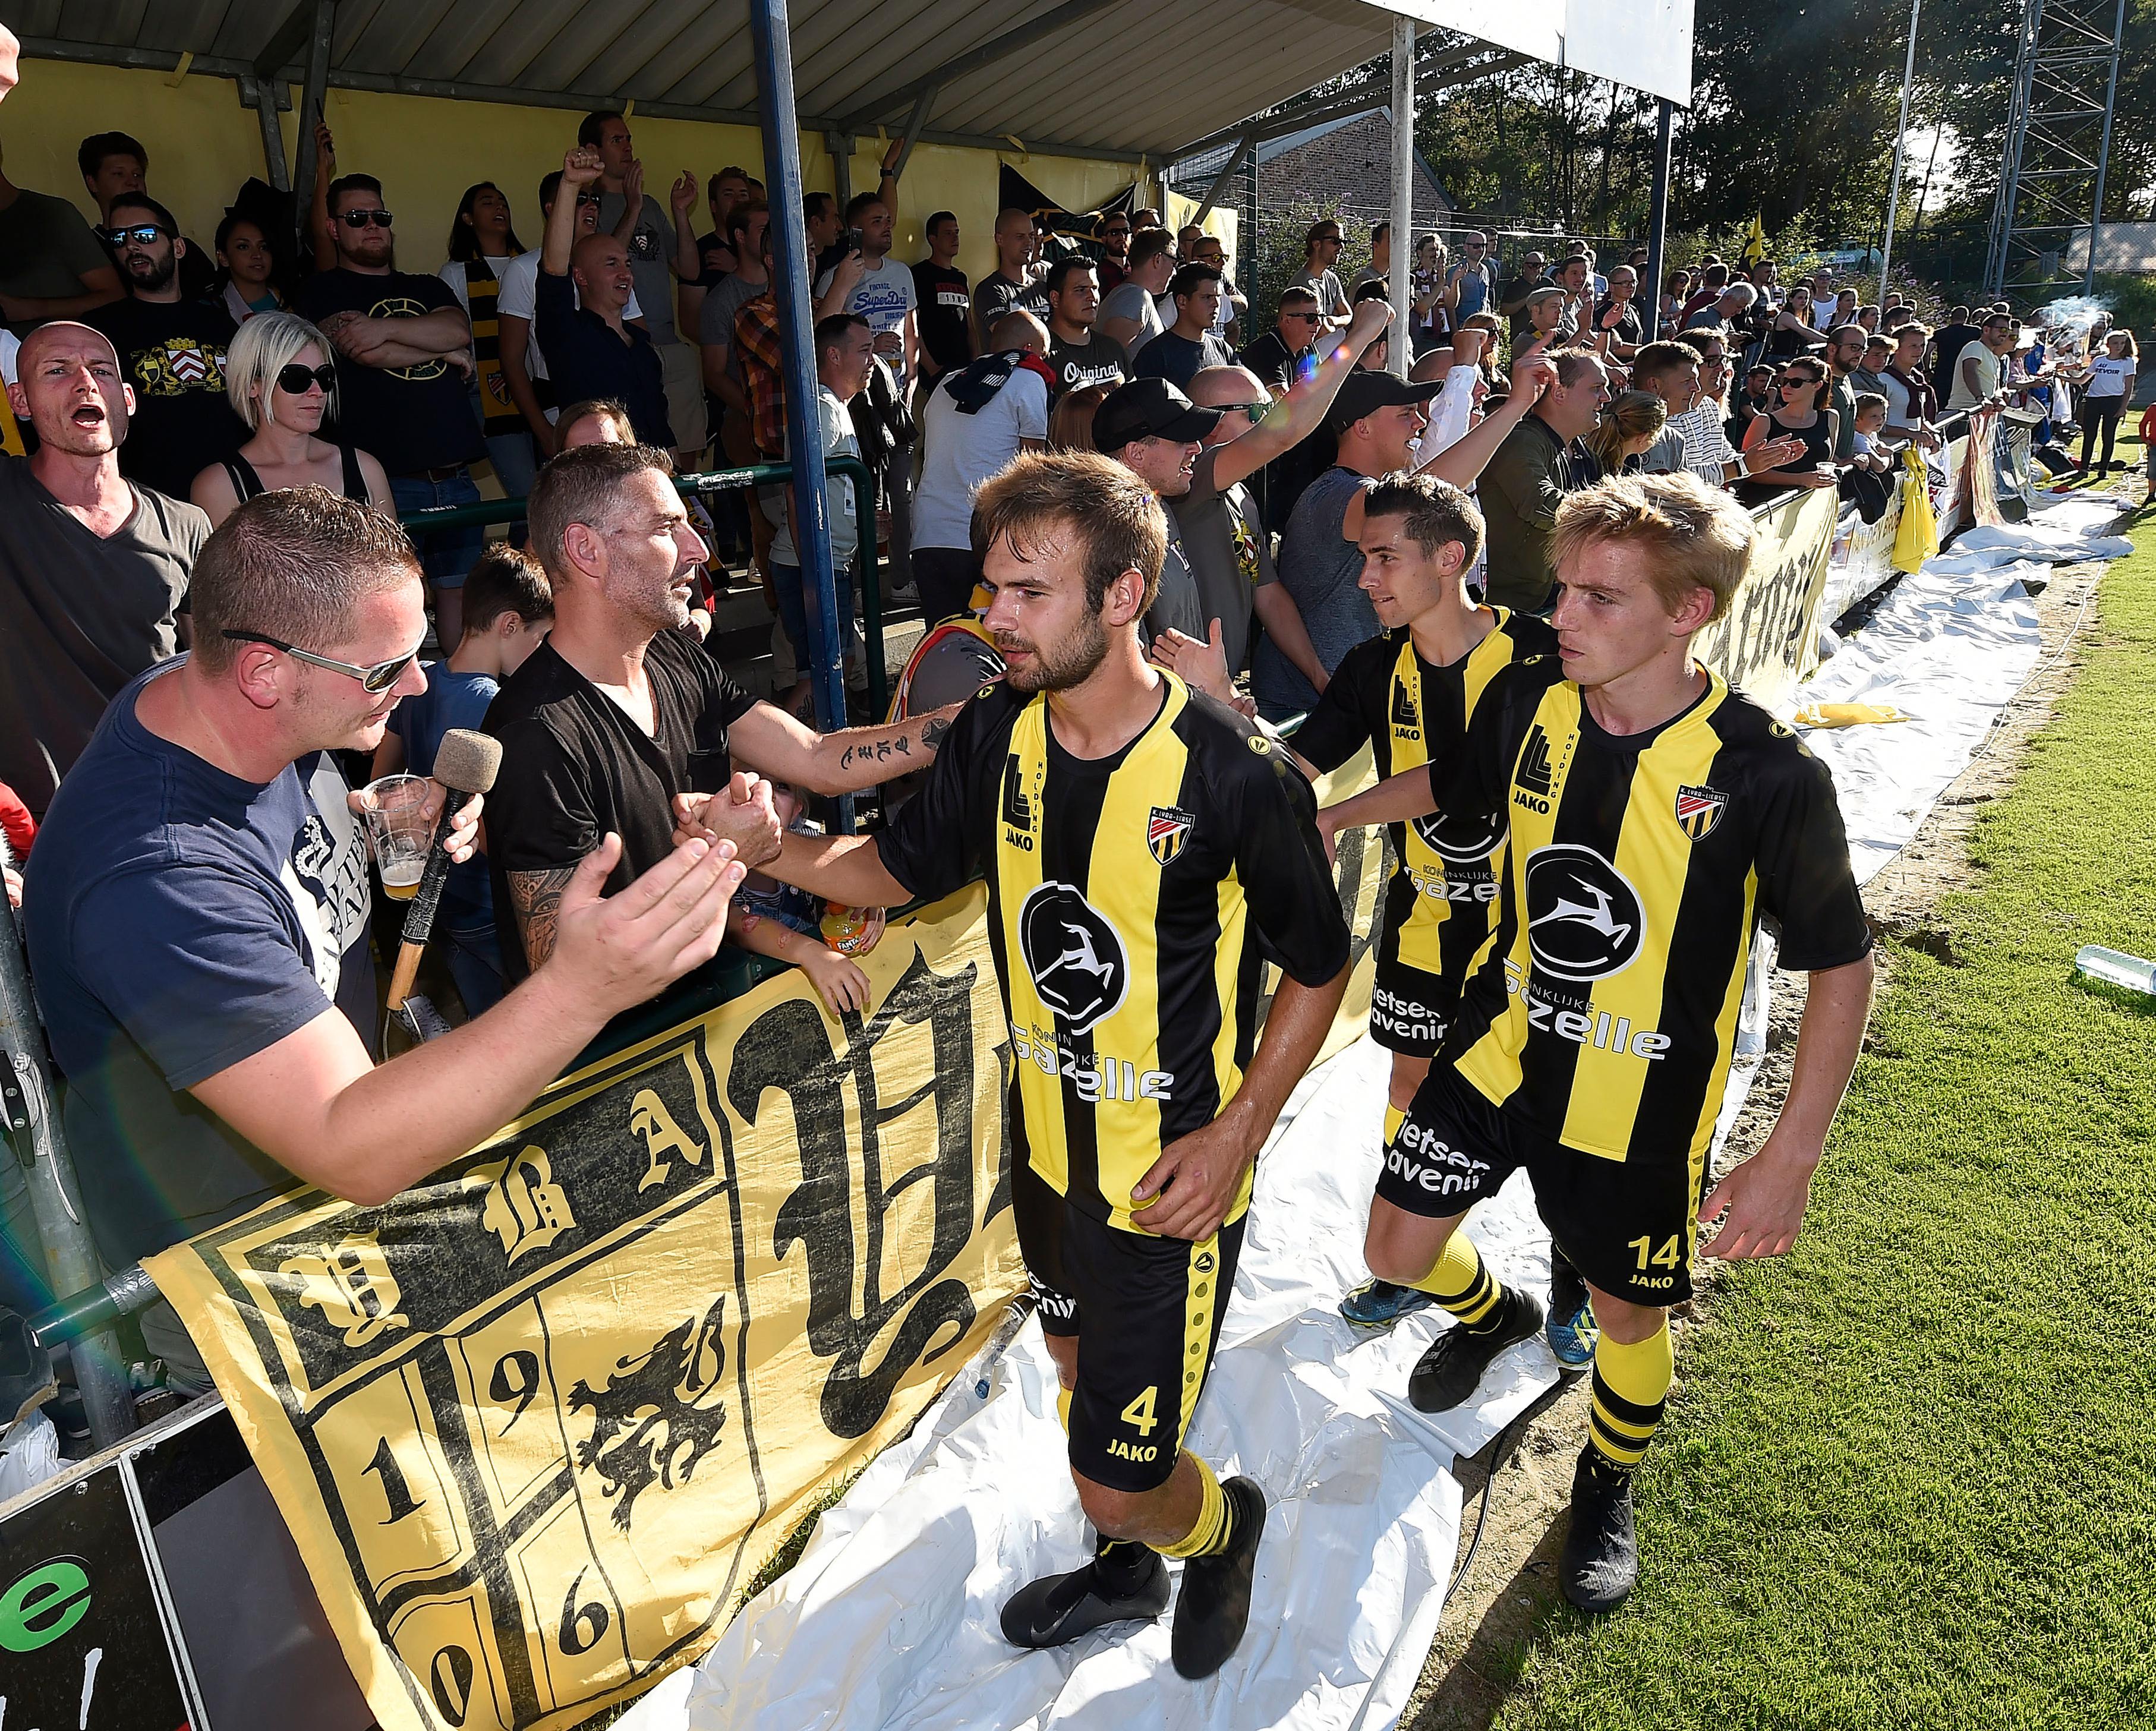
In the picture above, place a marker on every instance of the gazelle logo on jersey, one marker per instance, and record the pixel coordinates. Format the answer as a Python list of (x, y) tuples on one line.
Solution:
[(1166, 829), (1459, 841), (1585, 919), (1699, 809), (1079, 967)]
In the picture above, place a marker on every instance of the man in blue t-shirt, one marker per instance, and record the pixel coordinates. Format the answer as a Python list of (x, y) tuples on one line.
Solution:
[(197, 893), (509, 608)]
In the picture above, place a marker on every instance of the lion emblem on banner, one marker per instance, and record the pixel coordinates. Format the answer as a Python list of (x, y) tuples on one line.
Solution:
[(649, 1424)]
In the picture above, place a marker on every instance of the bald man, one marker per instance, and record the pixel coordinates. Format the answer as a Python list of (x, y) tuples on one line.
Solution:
[(584, 287), (92, 567), (1014, 282), (977, 419)]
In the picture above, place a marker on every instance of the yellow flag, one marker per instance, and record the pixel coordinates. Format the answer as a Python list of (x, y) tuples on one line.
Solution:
[(1755, 242)]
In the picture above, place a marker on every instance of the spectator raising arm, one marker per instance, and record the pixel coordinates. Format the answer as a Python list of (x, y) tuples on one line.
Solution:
[(1294, 416)]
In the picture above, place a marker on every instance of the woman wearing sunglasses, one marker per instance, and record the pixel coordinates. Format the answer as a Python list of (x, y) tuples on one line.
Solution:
[(1799, 412), (279, 377)]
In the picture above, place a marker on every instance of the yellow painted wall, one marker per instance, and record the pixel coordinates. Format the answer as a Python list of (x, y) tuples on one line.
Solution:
[(425, 152)]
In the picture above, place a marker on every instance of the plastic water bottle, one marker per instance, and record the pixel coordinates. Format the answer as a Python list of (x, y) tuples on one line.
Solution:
[(2115, 968)]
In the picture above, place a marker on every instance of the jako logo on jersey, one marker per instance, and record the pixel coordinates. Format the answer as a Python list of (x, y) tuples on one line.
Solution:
[(1203, 1264), (1699, 809), (1534, 772), (1459, 841), (1407, 714), (1079, 967), (1584, 918), (1166, 829), (1021, 806)]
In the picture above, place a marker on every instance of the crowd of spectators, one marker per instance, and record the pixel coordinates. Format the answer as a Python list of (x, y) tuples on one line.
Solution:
[(208, 447)]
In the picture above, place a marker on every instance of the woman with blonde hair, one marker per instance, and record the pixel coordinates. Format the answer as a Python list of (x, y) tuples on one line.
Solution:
[(2107, 385), (279, 373), (1632, 422)]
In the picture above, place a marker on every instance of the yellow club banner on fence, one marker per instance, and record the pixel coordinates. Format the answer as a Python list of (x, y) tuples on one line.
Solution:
[(1767, 643), (535, 1424)]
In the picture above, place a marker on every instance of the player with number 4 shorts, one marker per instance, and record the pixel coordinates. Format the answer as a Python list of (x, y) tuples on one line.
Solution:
[(1656, 818), (1146, 850)]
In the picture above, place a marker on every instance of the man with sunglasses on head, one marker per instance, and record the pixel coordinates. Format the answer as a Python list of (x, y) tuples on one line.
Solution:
[(403, 355), (197, 909), (93, 569), (172, 351)]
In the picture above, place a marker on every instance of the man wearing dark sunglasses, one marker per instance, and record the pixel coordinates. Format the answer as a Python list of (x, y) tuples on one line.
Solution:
[(171, 351), (403, 356), (198, 910)]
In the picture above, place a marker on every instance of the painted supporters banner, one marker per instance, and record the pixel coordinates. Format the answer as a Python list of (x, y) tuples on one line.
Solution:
[(535, 1424), (1767, 643)]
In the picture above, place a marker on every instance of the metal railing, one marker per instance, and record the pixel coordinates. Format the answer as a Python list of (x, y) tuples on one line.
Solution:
[(866, 569)]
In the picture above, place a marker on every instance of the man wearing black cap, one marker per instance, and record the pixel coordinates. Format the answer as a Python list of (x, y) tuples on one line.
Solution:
[(1378, 418), (1156, 432)]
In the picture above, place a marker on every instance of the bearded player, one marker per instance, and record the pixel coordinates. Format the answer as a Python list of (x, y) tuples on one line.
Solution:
[(1145, 852), (1656, 818)]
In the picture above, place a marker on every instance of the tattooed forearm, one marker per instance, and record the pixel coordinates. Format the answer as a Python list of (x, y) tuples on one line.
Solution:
[(536, 897)]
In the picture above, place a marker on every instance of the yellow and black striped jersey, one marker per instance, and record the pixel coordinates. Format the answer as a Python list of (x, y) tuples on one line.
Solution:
[(1602, 1010), (1133, 900), (1445, 892)]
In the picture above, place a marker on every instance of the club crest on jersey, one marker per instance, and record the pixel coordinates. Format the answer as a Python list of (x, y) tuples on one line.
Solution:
[(1166, 829), (1699, 809)]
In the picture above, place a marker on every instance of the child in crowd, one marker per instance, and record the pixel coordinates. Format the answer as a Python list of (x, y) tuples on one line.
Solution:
[(1873, 452), (777, 920), (509, 608)]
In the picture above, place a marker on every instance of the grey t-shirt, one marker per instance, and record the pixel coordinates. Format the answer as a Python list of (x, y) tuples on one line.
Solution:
[(1666, 454), (715, 321), (1127, 301), (1177, 607), (650, 261), (1224, 542), (45, 248), (80, 617), (1319, 569)]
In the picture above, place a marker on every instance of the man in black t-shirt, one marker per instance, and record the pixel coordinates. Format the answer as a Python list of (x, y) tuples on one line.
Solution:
[(1281, 356), (945, 312), (618, 723), (403, 359), (1078, 354), (171, 351), (1190, 342)]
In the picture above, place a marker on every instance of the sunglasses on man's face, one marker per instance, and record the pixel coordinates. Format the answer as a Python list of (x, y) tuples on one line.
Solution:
[(1298, 318), (588, 198), (375, 679), (141, 234), (361, 219), (294, 380)]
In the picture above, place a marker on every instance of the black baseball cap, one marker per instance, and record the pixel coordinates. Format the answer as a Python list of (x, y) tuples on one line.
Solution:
[(1366, 392), (1149, 409)]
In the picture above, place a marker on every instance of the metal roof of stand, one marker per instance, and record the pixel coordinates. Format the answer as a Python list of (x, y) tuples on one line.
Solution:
[(1109, 78)]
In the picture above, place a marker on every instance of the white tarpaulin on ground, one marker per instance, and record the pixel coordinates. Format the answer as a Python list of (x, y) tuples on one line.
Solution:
[(1949, 648), (888, 1620), (888, 1623)]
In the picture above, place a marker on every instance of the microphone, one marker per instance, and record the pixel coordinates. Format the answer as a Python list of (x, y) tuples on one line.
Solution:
[(465, 762)]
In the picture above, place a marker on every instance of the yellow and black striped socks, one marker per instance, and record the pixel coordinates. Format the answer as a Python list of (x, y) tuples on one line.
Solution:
[(1216, 1520), (1461, 1285), (1630, 1385)]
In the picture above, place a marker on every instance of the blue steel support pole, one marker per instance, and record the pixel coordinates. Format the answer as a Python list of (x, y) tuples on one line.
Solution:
[(805, 440)]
